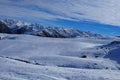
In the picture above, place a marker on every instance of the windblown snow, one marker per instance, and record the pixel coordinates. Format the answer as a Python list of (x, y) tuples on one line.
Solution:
[(27, 57)]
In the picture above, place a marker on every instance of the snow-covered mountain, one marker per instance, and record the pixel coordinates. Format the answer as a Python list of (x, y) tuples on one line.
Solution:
[(87, 56), (19, 27)]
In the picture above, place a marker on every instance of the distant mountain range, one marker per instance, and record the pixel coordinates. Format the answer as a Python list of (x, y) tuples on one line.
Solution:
[(18, 27)]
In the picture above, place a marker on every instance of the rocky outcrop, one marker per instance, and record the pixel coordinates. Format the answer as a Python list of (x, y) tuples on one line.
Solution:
[(65, 33), (4, 28)]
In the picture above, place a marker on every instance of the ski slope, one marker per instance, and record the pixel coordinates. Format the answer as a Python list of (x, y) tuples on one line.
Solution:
[(26, 57)]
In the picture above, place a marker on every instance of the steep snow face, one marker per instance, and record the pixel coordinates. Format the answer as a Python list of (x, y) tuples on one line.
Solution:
[(26, 57), (19, 27), (14, 23)]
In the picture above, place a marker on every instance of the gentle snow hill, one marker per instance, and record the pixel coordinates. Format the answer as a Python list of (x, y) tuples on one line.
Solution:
[(113, 50), (27, 57), (15, 70), (114, 55)]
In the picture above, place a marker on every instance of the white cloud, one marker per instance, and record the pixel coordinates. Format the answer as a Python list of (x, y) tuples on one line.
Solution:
[(103, 11)]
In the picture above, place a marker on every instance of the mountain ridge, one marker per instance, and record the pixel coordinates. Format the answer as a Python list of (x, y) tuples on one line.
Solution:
[(18, 27)]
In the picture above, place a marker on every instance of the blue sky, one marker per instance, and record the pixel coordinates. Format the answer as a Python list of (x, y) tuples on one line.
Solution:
[(98, 16)]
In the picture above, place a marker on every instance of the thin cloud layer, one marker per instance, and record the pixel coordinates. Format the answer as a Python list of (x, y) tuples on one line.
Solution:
[(102, 11)]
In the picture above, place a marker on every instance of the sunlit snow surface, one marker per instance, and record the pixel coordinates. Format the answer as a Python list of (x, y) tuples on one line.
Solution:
[(26, 57)]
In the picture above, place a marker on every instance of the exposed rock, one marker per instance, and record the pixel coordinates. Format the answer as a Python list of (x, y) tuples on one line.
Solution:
[(4, 28)]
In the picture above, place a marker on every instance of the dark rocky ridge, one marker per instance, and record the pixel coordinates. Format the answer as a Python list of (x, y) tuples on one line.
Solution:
[(18, 27), (4, 28)]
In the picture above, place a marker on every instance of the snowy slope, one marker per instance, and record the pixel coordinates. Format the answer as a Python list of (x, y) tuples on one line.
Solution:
[(113, 50), (15, 70), (114, 55), (26, 57)]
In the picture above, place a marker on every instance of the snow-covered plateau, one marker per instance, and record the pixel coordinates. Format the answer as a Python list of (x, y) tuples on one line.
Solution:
[(28, 57)]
